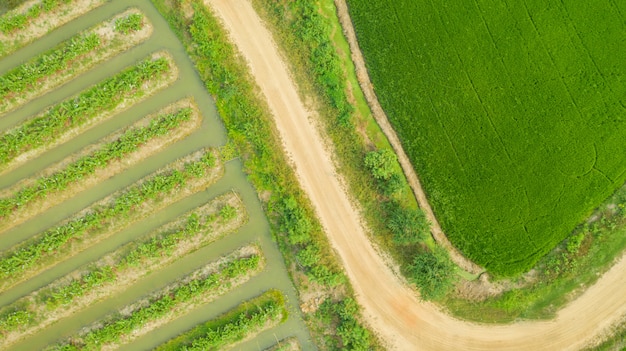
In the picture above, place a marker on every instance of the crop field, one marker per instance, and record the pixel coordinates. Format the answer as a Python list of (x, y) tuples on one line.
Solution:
[(513, 113), (124, 224)]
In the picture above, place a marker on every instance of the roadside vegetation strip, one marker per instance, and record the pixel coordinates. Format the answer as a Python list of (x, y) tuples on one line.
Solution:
[(60, 122), (96, 163), (200, 287), (310, 260), (178, 180), (35, 19), (72, 57), (243, 322), (121, 268)]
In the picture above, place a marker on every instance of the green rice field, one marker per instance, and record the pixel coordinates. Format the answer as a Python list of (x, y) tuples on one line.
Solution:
[(513, 113)]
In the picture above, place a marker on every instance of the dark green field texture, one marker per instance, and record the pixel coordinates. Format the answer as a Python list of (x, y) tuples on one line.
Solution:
[(512, 112)]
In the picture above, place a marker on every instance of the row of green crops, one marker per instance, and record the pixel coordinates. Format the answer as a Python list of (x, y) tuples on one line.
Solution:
[(129, 24), (123, 327), (67, 59), (127, 143), (77, 111), (122, 208), (23, 77), (119, 268), (511, 113), (11, 22), (248, 318), (250, 128)]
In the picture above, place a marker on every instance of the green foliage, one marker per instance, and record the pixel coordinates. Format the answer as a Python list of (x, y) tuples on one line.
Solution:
[(350, 334), (433, 273), (11, 22), (228, 212), (248, 318), (53, 241), (87, 165), (130, 23), (408, 226), (74, 112), (514, 144), (295, 222), (161, 304), (381, 163)]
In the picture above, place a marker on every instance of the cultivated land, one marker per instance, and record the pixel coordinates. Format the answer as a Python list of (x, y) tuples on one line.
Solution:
[(512, 114), (391, 308), (124, 220)]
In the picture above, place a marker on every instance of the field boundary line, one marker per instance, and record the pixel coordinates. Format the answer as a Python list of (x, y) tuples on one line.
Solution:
[(381, 118)]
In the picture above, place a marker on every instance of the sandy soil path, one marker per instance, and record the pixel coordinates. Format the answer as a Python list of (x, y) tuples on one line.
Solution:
[(390, 307)]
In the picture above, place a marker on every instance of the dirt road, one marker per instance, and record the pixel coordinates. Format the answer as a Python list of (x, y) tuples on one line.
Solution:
[(390, 307)]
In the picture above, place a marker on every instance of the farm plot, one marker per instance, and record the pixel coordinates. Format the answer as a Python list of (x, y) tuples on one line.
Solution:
[(513, 114), (130, 219)]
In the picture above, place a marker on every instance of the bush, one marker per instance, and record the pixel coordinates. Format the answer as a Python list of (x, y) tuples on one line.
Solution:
[(408, 226), (381, 163), (433, 273)]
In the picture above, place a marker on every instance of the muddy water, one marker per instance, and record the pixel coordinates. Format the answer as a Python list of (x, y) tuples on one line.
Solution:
[(212, 133)]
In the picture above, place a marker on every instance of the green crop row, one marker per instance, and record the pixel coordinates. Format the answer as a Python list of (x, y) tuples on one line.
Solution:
[(11, 22), (248, 318), (165, 302), (87, 165), (121, 207), (77, 111), (165, 245), (23, 77), (57, 65)]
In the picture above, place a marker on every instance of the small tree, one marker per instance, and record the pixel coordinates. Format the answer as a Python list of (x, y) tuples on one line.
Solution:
[(433, 273), (381, 163), (408, 226)]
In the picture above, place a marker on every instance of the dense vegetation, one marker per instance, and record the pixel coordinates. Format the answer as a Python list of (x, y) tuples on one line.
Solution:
[(121, 327), (47, 127), (87, 165), (512, 114), (248, 318), (249, 127), (121, 267), (121, 207)]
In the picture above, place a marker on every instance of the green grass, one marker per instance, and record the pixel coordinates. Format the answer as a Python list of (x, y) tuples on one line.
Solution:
[(512, 114)]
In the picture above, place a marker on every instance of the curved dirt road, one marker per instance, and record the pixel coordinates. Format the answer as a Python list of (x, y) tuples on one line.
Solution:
[(389, 306)]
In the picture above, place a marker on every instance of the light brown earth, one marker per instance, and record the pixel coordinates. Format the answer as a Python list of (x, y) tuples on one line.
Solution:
[(391, 307)]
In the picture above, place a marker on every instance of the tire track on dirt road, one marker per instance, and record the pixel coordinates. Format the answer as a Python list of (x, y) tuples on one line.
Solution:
[(390, 307)]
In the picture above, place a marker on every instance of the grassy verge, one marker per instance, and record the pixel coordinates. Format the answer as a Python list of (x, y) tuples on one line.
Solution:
[(617, 342), (245, 321), (200, 287), (180, 179), (311, 262), (97, 162), (74, 115), (32, 20), (120, 268), (68, 59)]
